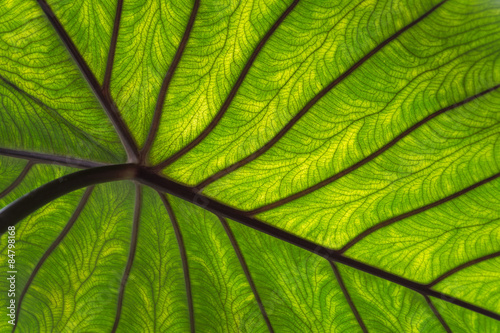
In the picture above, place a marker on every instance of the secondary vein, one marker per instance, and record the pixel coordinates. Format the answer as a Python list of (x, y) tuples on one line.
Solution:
[(463, 266), (106, 102), (131, 256), (18, 180), (419, 210), (437, 314), (348, 297), (50, 159), (185, 266), (310, 104), (246, 271), (112, 48), (166, 83), (52, 247), (231, 94), (370, 157)]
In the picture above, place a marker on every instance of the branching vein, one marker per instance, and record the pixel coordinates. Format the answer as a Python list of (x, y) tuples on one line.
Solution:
[(310, 104), (166, 82), (348, 297), (185, 266), (398, 218), (437, 314), (52, 247), (369, 157), (232, 93), (106, 102), (15, 211), (50, 159), (244, 266), (18, 180), (463, 266), (131, 256)]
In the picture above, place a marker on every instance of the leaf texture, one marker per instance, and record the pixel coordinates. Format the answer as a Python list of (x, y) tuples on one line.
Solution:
[(290, 166)]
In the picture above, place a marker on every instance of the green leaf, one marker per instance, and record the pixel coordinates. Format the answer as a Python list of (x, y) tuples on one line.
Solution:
[(253, 166)]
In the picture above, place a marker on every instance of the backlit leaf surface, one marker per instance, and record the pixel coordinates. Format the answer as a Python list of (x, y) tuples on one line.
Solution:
[(282, 166)]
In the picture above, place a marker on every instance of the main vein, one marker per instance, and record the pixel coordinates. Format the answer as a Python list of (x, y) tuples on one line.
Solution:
[(22, 207), (149, 178)]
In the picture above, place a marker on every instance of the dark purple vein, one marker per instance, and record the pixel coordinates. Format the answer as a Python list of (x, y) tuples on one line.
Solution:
[(244, 266), (310, 104), (50, 159), (131, 255), (52, 247), (369, 157), (419, 210), (108, 106), (30, 202), (52, 112), (348, 297), (112, 48), (437, 314), (18, 180), (463, 266), (166, 83), (29, 96), (232, 93), (15, 211), (149, 178), (185, 266)]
